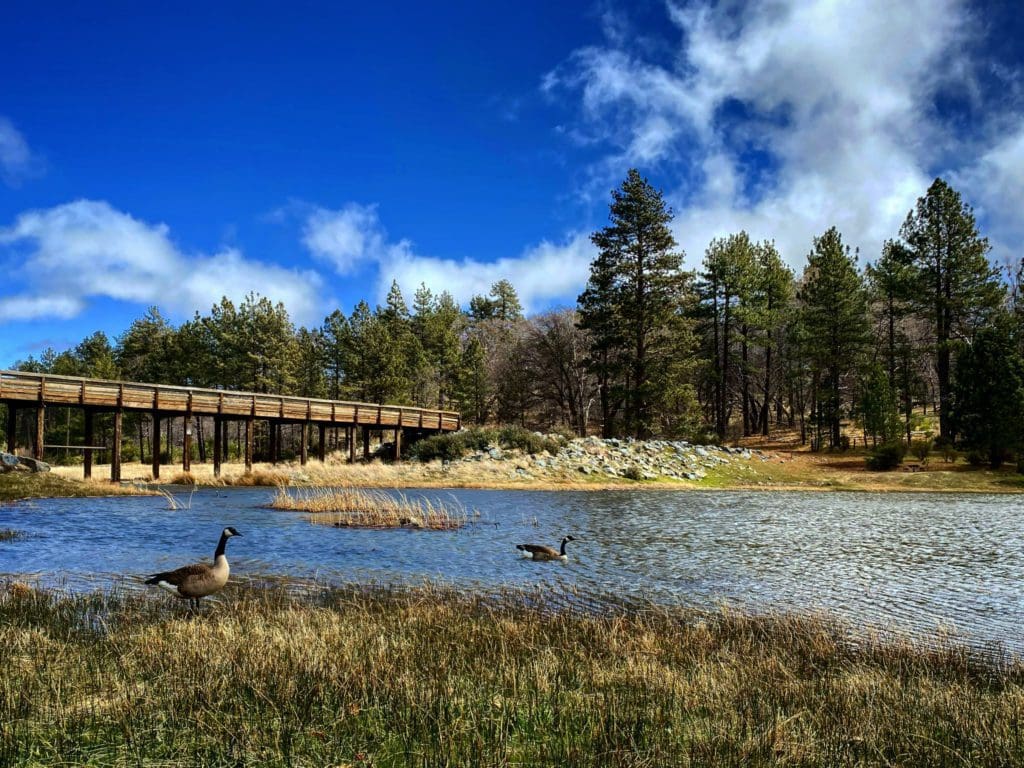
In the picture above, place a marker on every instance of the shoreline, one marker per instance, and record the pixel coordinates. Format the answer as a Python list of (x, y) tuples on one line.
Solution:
[(776, 472)]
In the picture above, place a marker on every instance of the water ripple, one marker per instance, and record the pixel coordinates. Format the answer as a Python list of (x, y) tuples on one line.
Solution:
[(917, 563)]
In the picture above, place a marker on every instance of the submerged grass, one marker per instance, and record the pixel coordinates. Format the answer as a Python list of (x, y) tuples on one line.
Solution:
[(9, 534), (361, 508), (413, 677)]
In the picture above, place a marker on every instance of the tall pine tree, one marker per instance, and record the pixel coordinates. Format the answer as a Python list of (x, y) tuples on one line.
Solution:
[(636, 296)]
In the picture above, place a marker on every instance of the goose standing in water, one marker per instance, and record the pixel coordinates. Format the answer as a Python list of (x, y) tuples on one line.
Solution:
[(191, 582), (541, 552)]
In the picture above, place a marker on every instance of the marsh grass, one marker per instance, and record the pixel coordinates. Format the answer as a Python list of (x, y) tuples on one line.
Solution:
[(412, 677), (362, 508), (35, 485)]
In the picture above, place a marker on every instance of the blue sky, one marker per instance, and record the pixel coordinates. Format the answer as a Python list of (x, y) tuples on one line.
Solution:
[(313, 152)]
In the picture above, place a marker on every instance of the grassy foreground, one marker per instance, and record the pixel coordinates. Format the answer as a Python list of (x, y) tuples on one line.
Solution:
[(416, 677)]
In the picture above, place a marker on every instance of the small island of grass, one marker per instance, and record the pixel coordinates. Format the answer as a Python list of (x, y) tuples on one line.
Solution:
[(357, 508)]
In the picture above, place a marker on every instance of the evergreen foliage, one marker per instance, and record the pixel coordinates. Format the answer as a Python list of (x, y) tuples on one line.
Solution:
[(650, 349)]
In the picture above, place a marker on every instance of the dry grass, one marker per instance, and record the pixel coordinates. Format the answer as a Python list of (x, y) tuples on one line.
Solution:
[(36, 485), (791, 469), (359, 508), (368, 676)]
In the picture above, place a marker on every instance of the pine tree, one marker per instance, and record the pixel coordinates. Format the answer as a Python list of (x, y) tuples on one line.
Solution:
[(955, 286), (635, 295), (335, 335), (725, 286), (770, 310), (988, 392), (834, 322)]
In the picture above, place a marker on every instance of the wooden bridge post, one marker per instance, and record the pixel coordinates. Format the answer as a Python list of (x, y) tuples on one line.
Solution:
[(37, 451), (115, 454), (366, 443), (321, 448), (156, 445), (350, 444), (186, 438), (12, 427), (250, 429), (87, 458), (218, 429), (398, 444), (304, 448), (170, 440)]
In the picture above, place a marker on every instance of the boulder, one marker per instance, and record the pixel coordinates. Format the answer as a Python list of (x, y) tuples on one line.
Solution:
[(34, 464)]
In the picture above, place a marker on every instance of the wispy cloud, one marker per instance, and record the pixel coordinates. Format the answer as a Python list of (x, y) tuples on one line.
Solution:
[(87, 249), (17, 161), (784, 118), (353, 236)]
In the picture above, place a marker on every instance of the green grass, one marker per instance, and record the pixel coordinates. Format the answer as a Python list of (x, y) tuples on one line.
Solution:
[(423, 677), (41, 485)]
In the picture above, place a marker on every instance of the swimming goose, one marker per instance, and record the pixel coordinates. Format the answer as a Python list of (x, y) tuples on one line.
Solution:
[(191, 582), (541, 552)]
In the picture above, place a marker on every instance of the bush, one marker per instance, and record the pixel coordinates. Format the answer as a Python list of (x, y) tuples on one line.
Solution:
[(887, 456), (844, 442), (633, 473), (525, 440), (947, 448), (445, 447), (704, 437), (976, 458), (920, 449)]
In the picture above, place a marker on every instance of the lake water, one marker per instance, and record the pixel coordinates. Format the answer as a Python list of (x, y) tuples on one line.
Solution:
[(917, 563)]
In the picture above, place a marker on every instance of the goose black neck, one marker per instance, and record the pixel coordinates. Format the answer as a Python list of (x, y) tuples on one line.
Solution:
[(564, 542), (221, 545)]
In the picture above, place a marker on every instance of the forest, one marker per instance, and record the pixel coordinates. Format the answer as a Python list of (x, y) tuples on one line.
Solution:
[(927, 332)]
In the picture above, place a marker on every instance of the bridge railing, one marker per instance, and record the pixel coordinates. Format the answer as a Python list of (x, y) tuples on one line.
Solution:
[(35, 388)]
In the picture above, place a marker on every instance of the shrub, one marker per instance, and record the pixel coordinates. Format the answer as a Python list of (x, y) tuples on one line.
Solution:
[(947, 448), (887, 456), (525, 440), (976, 458), (633, 473), (920, 449), (704, 437), (844, 442), (446, 447)]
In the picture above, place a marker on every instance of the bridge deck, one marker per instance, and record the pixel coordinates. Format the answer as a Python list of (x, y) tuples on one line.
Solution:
[(35, 388), (164, 401)]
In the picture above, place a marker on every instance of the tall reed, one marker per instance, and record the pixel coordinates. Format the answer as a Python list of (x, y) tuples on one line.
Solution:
[(355, 507)]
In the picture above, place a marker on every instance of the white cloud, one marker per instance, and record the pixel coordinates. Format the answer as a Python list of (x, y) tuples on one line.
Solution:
[(34, 307), (17, 161), (346, 237), (836, 96), (542, 274), (87, 249), (353, 236), (995, 185)]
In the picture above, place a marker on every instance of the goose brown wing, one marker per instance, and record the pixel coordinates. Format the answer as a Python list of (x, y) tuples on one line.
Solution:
[(178, 575), (538, 549)]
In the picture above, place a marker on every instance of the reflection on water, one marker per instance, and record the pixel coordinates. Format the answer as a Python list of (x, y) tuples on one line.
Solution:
[(916, 562)]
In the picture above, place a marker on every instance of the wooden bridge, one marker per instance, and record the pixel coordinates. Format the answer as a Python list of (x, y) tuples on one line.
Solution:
[(162, 401)]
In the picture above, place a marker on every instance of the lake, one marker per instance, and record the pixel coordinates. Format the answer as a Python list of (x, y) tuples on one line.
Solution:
[(915, 563)]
